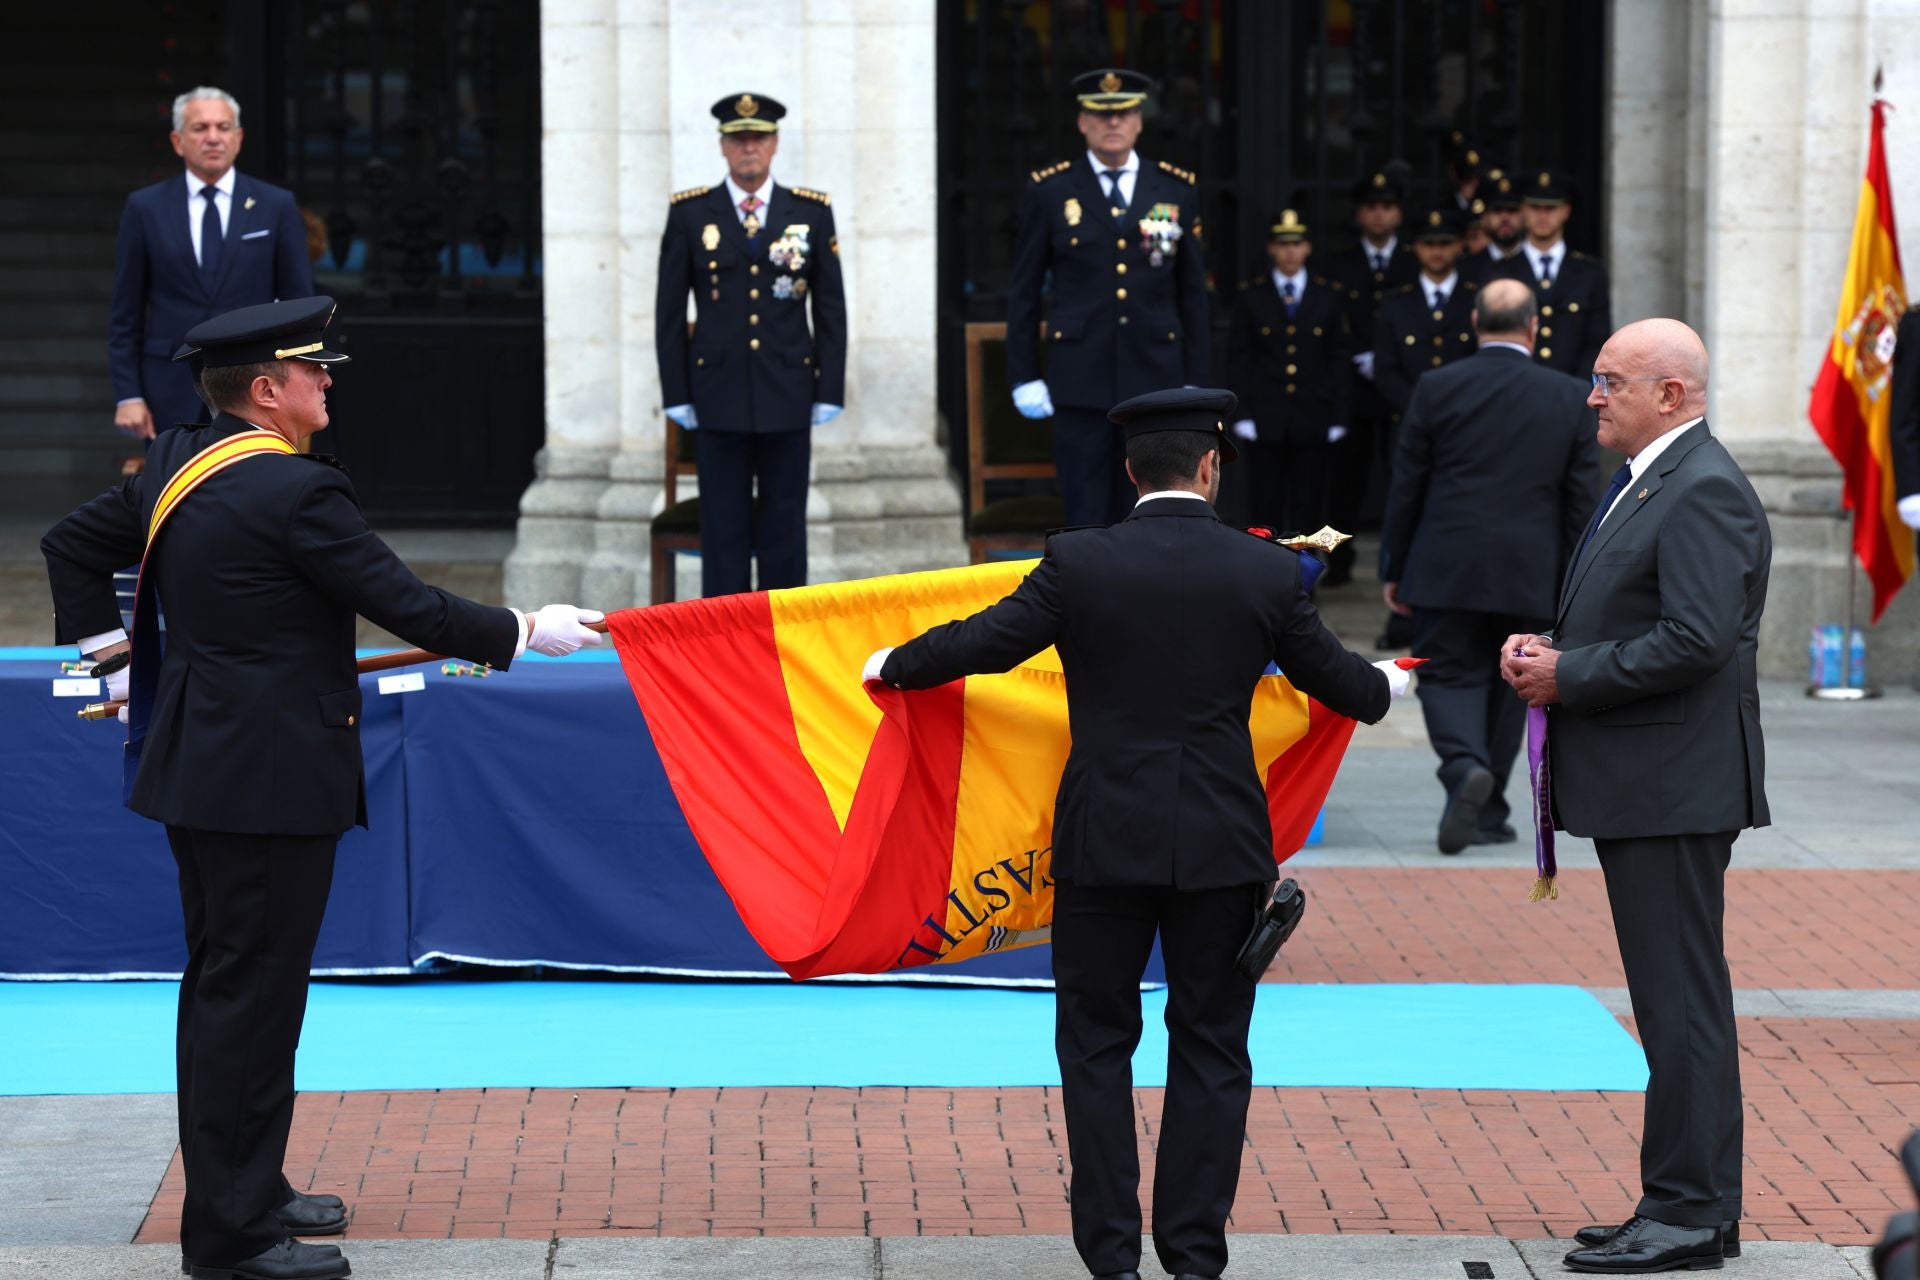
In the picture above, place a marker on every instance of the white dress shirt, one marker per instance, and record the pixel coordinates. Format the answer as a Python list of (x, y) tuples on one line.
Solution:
[(197, 206), (1637, 465), (1157, 494), (1521, 347), (737, 193), (1432, 287), (1377, 252), (1128, 173), (1298, 280), (1553, 257)]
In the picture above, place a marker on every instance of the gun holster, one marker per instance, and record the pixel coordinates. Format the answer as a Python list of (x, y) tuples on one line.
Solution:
[(1274, 925)]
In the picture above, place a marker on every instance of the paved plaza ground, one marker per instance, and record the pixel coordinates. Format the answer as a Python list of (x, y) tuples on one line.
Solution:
[(1377, 1183)]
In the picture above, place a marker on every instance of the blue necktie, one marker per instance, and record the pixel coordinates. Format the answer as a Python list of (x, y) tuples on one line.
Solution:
[(1621, 478), (1286, 296), (1113, 187), (209, 236)]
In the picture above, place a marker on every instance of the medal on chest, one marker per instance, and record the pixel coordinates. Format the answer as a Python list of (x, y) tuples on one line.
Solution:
[(1160, 232), (791, 250)]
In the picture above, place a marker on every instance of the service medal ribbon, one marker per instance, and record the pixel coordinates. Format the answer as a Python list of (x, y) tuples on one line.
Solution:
[(1160, 232)]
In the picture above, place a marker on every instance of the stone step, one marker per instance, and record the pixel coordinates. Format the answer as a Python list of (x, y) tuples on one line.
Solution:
[(27, 285), (29, 390)]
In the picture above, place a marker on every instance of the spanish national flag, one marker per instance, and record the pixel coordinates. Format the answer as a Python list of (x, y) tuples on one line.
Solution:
[(866, 830), (1850, 406)]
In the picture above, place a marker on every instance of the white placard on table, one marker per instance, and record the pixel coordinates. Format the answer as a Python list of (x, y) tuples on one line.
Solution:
[(406, 682), (76, 687)]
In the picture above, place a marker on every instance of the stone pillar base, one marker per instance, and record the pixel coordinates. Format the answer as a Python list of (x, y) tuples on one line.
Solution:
[(618, 573), (555, 532), (1812, 564), (878, 509)]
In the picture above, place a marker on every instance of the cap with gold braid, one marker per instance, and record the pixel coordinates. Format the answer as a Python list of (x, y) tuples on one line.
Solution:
[(1111, 89), (1286, 227), (748, 113), (292, 329)]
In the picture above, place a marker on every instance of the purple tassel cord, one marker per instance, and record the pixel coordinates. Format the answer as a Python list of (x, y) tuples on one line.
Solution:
[(1537, 770)]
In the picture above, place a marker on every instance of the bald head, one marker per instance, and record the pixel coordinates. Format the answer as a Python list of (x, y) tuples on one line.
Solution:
[(1657, 379), (1504, 312)]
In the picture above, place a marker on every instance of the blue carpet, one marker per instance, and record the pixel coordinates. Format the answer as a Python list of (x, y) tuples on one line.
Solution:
[(117, 1037)]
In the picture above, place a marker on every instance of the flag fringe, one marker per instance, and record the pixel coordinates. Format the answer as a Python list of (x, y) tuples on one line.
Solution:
[(1543, 889)]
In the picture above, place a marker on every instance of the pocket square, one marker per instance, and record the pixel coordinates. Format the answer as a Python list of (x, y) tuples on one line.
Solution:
[(255, 235)]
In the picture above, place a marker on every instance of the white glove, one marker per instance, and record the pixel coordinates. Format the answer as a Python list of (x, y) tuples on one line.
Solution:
[(825, 413), (685, 416), (871, 672), (1033, 400), (1363, 361), (1246, 430), (1336, 433), (1909, 508), (117, 684), (559, 629), (1398, 680), (123, 715)]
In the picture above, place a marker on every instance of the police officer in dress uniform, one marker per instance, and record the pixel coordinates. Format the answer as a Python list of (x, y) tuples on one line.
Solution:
[(1377, 264), (1576, 315), (752, 379), (1428, 323), (1290, 358), (1500, 220), (1119, 236), (245, 740), (1161, 823)]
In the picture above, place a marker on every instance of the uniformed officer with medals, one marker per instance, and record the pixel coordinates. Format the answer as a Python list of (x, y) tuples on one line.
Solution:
[(1429, 322), (1575, 299), (753, 378), (1118, 236), (244, 740), (1290, 361)]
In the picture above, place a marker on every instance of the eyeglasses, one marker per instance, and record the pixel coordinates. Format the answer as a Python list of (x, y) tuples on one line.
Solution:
[(1604, 382)]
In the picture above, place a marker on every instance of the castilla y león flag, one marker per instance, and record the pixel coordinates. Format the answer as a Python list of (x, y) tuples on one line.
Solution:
[(1850, 407), (861, 829)]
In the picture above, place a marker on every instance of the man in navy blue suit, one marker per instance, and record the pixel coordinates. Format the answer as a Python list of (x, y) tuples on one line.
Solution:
[(190, 250)]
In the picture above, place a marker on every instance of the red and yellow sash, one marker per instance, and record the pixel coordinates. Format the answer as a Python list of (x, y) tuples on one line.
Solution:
[(216, 457)]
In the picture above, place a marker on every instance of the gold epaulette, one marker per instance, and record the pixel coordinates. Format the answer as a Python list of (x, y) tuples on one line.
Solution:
[(1185, 175), (1041, 175), (688, 194), (808, 193), (1584, 257)]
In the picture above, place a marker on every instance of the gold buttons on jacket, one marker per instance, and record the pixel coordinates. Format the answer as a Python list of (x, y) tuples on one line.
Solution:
[(1121, 243), (1409, 339), (1439, 341), (754, 294), (1120, 267), (753, 344), (1439, 315), (1291, 349), (1074, 242), (1316, 331), (1289, 388), (1265, 331), (1123, 319), (754, 269), (753, 319), (1290, 329), (1546, 353), (713, 264), (1546, 331), (1547, 310), (1057, 335), (352, 720), (1120, 293), (1466, 337), (1292, 369), (1573, 306), (1171, 335), (698, 361), (1437, 362)]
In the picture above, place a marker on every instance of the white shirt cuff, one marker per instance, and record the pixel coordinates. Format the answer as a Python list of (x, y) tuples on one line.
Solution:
[(93, 644), (129, 400), (526, 628)]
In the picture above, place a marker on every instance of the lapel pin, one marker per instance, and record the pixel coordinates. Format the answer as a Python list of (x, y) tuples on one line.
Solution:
[(248, 204), (1643, 493)]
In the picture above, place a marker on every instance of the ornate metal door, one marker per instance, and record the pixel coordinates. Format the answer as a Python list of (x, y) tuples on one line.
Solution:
[(411, 138)]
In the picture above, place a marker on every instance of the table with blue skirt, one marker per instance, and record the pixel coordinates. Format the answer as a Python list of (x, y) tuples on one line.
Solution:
[(522, 818)]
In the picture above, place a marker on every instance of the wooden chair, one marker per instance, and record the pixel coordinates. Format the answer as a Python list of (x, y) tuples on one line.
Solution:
[(1002, 445), (677, 527)]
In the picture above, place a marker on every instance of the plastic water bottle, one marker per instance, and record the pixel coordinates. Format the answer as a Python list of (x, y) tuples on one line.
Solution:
[(1833, 654), (1816, 675), (1857, 661)]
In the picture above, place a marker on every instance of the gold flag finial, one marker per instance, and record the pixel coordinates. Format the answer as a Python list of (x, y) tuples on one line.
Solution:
[(1326, 539)]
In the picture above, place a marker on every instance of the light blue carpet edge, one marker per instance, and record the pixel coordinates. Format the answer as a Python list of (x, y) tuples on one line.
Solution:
[(98, 1038)]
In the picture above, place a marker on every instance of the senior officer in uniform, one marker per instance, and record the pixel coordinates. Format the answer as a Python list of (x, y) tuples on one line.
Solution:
[(1576, 313), (244, 737), (1161, 822), (751, 379), (1120, 239), (1290, 360)]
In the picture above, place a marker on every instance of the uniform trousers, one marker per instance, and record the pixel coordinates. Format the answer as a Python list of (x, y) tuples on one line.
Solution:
[(253, 905), (1668, 895), (1288, 484), (753, 504), (1090, 463), (1101, 940), (1473, 716)]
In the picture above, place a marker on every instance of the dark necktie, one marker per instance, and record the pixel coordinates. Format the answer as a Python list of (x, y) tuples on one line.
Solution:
[(1621, 479), (1546, 271), (1379, 262), (209, 236), (1286, 296), (1439, 299), (1113, 187)]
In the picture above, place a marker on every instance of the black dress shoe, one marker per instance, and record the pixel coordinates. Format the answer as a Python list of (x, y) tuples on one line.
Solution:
[(321, 1198), (288, 1260), (1462, 815), (1502, 834), (1118, 1275), (1729, 1237), (1641, 1245), (311, 1216)]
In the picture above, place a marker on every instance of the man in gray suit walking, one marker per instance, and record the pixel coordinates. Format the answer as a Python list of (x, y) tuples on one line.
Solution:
[(1654, 737)]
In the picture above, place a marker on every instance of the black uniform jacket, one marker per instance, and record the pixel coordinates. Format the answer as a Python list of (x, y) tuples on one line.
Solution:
[(1576, 313), (1352, 269), (751, 363), (1164, 623), (1294, 376), (1905, 427), (1409, 340), (1493, 483), (259, 571), (1657, 731), (1118, 324)]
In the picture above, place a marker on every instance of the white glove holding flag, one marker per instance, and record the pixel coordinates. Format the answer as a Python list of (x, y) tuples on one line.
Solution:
[(1399, 680), (1909, 508), (559, 629), (117, 688), (871, 672), (684, 415), (1033, 400)]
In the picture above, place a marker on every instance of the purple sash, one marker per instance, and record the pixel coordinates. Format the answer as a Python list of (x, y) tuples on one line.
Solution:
[(1537, 770)]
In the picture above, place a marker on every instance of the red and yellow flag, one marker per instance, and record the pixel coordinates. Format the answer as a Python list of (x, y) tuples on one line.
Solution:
[(863, 831), (1850, 407)]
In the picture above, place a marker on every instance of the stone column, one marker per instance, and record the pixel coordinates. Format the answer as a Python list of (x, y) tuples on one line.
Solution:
[(579, 97)]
